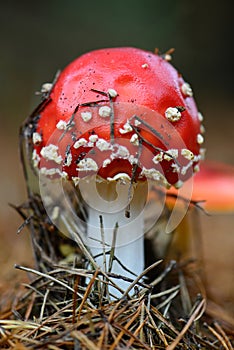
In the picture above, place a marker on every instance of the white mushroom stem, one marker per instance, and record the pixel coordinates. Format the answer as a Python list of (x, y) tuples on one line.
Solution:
[(111, 201)]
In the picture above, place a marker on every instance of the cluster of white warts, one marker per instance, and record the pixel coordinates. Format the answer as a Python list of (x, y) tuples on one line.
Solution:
[(173, 114)]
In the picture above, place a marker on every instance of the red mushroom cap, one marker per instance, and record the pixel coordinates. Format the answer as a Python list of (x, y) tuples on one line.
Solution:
[(212, 190), (214, 185), (119, 110)]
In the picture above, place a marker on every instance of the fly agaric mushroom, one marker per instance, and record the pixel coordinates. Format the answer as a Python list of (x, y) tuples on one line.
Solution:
[(214, 185), (212, 191), (212, 188), (114, 120)]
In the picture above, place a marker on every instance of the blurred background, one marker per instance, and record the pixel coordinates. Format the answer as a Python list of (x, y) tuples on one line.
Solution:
[(39, 37)]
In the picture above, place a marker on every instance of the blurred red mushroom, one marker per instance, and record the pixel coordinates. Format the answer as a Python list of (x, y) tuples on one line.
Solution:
[(207, 236), (213, 187), (212, 191)]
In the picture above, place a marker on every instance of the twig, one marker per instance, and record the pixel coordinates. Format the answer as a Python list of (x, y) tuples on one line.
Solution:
[(151, 267), (43, 305), (103, 243), (168, 300), (187, 326), (219, 336), (66, 286), (113, 244), (88, 289), (25, 223), (158, 279), (224, 335)]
